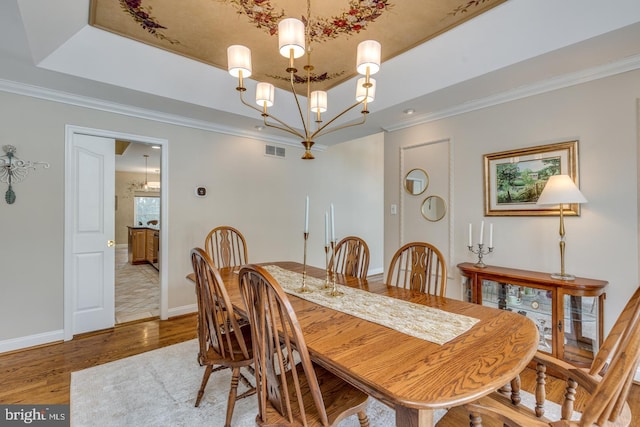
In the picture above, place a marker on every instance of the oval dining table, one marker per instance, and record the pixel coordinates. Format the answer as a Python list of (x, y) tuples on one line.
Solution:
[(411, 375)]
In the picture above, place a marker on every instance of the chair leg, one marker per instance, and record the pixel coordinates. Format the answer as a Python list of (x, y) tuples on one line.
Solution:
[(475, 420), (541, 394), (364, 420), (205, 378), (515, 390), (232, 396), (569, 398)]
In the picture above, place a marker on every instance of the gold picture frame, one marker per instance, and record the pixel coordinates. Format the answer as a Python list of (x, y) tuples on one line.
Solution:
[(514, 179)]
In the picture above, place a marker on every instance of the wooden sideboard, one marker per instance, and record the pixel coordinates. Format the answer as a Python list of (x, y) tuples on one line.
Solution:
[(569, 313), (143, 245)]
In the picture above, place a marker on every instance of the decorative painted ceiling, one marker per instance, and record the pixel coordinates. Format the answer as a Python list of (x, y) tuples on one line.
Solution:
[(203, 29)]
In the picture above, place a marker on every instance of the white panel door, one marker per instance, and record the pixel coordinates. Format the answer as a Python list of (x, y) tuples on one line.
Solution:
[(93, 246)]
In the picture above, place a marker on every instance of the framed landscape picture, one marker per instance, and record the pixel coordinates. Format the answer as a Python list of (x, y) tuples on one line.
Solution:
[(513, 180)]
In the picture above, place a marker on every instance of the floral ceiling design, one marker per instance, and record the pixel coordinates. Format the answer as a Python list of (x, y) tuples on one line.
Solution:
[(203, 29)]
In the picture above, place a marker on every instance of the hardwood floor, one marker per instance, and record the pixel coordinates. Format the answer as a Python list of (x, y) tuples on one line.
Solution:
[(42, 375)]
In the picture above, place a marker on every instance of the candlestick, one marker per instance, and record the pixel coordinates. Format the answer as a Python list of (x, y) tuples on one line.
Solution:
[(481, 240), (327, 281), (306, 216), (326, 228), (304, 267), (480, 252), (334, 290), (470, 239)]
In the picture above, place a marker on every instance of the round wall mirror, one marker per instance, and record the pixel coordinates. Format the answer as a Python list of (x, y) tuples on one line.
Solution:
[(416, 181), (434, 208)]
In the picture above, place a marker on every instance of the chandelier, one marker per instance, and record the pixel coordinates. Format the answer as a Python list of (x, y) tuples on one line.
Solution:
[(294, 42)]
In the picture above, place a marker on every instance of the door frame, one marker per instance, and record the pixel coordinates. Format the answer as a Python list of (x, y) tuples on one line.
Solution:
[(69, 285)]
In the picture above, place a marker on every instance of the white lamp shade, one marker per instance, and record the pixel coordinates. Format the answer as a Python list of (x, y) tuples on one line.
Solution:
[(361, 91), (368, 56), (239, 59), (265, 93), (560, 189), (318, 101), (291, 36)]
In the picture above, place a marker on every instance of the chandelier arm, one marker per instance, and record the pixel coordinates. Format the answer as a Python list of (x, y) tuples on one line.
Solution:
[(295, 96), (285, 128), (347, 125), (319, 131)]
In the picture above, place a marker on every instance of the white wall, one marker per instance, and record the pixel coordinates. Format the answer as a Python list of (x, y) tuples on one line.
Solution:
[(603, 242), (262, 196)]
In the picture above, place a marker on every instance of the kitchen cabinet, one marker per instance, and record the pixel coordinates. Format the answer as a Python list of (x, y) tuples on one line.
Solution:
[(143, 245)]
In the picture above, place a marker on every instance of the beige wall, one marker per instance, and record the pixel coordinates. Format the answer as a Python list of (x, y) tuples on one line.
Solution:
[(603, 242), (265, 196), (262, 196)]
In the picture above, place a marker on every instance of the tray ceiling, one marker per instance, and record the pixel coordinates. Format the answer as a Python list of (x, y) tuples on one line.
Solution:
[(203, 29)]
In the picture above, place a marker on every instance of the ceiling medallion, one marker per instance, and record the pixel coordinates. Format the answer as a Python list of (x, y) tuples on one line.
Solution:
[(315, 78)]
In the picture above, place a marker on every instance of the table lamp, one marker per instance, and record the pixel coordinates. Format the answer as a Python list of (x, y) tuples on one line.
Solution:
[(561, 189)]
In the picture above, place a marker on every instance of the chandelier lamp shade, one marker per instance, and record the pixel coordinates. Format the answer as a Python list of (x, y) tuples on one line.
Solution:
[(293, 43)]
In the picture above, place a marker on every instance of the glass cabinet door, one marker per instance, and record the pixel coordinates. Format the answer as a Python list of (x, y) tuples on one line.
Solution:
[(581, 340), (537, 304)]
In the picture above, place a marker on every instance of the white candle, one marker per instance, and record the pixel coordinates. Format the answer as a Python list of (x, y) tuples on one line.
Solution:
[(481, 233), (491, 235), (333, 225), (470, 239), (326, 228), (306, 216)]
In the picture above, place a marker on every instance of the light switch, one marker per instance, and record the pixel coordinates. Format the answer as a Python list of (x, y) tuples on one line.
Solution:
[(394, 209)]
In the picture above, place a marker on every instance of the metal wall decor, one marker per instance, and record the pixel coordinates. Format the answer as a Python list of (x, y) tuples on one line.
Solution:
[(14, 170)]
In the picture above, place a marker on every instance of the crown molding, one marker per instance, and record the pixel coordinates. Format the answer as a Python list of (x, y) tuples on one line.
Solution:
[(628, 64), (141, 113)]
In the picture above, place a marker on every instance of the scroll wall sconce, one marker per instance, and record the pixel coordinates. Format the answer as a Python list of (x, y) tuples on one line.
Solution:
[(14, 170)]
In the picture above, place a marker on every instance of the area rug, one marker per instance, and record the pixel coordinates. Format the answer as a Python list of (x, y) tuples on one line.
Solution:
[(158, 388)]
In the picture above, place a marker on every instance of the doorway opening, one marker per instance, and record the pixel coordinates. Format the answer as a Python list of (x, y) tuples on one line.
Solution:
[(137, 227)]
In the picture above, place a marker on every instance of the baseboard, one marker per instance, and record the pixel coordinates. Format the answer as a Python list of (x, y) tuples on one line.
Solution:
[(31, 341), (374, 271), (185, 309)]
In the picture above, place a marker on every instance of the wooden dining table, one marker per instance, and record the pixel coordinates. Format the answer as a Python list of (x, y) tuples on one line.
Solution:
[(412, 375)]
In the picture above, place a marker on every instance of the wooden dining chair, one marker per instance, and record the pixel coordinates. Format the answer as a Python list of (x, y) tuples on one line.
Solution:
[(224, 341), (419, 266), (290, 393), (351, 257), (607, 383), (227, 247)]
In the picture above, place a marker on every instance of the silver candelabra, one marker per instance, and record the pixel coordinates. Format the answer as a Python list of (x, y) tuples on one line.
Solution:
[(480, 252)]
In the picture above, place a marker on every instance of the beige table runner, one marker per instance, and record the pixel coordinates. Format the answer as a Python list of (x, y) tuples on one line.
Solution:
[(416, 320)]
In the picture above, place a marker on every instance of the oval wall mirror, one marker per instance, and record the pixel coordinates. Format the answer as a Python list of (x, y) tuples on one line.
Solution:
[(434, 208), (416, 181)]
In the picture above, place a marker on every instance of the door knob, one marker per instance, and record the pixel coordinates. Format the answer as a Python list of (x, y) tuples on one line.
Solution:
[(111, 243)]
